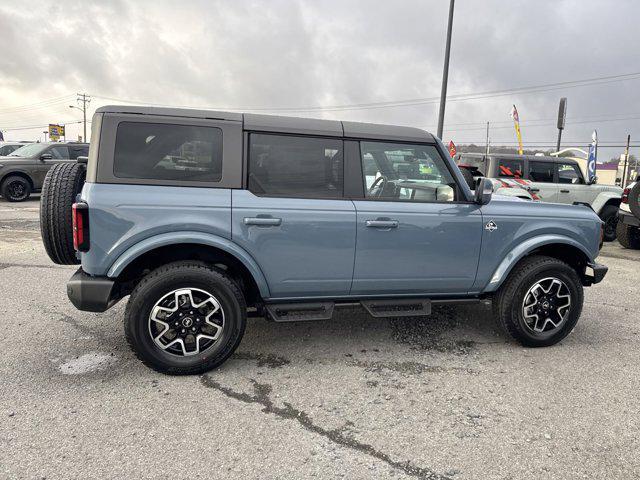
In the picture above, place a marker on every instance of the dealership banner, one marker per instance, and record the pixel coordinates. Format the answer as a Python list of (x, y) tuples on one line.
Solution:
[(452, 149), (55, 132), (516, 123), (593, 156)]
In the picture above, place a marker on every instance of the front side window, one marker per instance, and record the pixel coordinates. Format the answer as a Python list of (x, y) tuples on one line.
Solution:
[(569, 173), (31, 150), (76, 151), (59, 152), (293, 166), (161, 151), (405, 172), (510, 168), (541, 171)]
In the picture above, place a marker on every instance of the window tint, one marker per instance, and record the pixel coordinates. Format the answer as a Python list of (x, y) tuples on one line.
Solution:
[(541, 171), (569, 173), (59, 152), (473, 161), (510, 168), (295, 166), (159, 151), (7, 149), (405, 172)]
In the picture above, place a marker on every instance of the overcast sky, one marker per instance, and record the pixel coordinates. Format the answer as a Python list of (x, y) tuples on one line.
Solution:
[(279, 54)]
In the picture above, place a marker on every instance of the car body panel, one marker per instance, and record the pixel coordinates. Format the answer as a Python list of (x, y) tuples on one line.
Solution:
[(310, 252), (408, 258)]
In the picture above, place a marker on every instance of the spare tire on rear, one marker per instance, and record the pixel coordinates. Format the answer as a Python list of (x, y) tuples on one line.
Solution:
[(61, 186), (634, 199)]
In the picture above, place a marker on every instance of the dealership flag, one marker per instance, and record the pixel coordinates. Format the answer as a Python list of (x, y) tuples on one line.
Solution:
[(593, 155), (452, 149), (516, 123)]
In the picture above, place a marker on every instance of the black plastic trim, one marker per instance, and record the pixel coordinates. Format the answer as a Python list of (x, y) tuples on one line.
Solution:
[(91, 294)]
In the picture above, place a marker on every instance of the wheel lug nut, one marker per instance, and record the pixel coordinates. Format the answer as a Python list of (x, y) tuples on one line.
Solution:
[(180, 313), (183, 330), (193, 329), (190, 313)]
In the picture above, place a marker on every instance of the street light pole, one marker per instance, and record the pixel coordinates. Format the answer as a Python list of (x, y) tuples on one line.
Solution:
[(445, 72)]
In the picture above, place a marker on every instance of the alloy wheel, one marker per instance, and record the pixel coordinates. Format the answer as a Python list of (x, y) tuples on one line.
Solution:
[(186, 321), (546, 305)]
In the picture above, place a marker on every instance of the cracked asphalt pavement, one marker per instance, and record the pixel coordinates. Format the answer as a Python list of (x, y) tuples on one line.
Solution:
[(447, 396)]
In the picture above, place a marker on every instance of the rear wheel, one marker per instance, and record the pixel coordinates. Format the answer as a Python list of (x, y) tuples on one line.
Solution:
[(185, 318), (61, 185), (540, 302), (628, 236), (609, 215), (15, 188)]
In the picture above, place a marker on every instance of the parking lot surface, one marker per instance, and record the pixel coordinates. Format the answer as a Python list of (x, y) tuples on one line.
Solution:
[(447, 396)]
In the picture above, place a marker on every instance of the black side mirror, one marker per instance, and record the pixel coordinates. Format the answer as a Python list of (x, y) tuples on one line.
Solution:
[(484, 190), (82, 159), (46, 156)]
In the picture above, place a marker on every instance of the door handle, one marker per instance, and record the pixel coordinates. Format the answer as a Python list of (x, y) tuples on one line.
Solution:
[(263, 221), (381, 223), (534, 190), (564, 191)]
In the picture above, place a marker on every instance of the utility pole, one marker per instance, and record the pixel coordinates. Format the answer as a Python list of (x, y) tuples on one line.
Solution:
[(84, 99), (487, 150), (445, 72), (625, 170)]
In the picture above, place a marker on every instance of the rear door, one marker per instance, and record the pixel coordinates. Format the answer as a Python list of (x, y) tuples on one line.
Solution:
[(293, 218), (543, 180), (414, 235)]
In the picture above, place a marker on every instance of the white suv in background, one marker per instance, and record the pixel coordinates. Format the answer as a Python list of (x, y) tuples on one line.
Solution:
[(552, 179)]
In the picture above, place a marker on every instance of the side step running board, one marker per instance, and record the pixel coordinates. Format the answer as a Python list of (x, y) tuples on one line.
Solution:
[(297, 312), (398, 308)]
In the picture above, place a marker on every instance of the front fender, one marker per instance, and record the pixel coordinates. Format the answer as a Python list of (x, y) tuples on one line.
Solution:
[(522, 250), (602, 198), (177, 238)]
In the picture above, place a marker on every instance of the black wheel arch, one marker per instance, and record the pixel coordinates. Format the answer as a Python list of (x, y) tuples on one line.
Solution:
[(221, 260)]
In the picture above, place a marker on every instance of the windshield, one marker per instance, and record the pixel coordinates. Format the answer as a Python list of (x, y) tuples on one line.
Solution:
[(30, 150)]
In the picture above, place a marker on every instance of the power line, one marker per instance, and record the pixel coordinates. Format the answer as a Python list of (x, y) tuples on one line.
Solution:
[(409, 102)]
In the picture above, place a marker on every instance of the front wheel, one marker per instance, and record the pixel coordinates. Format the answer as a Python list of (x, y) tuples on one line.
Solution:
[(540, 302), (609, 215), (15, 188), (185, 318)]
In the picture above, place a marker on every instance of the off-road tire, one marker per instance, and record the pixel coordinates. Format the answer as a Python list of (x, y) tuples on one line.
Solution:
[(468, 177), (634, 199), (507, 304), (9, 182), (628, 236), (61, 185), (609, 215), (165, 279)]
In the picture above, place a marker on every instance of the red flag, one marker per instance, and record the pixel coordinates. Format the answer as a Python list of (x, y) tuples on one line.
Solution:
[(452, 149)]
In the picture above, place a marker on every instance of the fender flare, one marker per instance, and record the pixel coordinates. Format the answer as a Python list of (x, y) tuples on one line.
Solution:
[(165, 239), (601, 200), (522, 250)]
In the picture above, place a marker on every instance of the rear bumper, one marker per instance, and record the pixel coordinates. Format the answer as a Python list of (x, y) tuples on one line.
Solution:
[(594, 273), (628, 218), (91, 294)]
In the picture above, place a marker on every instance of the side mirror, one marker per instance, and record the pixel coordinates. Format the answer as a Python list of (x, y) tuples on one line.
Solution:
[(46, 156), (484, 190), (593, 180), (84, 160)]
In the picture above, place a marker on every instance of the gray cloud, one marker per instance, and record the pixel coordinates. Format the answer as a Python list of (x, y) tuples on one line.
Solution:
[(283, 53)]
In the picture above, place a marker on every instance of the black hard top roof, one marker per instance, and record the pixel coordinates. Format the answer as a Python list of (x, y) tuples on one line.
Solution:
[(274, 123)]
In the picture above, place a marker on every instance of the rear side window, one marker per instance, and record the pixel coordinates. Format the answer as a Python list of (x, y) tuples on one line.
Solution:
[(541, 171), (76, 151), (161, 151), (510, 168), (292, 166), (59, 152)]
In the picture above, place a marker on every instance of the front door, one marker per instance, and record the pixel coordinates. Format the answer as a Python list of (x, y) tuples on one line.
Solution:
[(571, 185), (293, 219), (414, 236), (542, 177)]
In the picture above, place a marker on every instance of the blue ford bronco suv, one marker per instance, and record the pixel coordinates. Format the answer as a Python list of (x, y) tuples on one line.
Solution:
[(204, 217)]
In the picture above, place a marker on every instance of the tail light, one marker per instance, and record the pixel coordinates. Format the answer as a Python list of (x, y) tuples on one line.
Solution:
[(625, 195), (80, 220)]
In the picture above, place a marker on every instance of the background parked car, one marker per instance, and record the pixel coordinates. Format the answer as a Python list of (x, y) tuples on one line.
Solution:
[(628, 229), (23, 170), (552, 179), (8, 147)]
